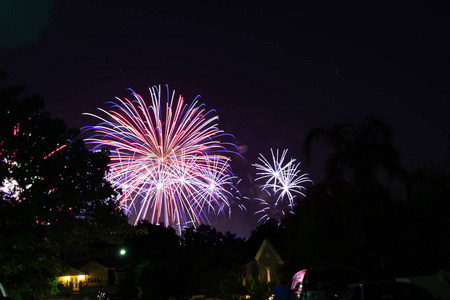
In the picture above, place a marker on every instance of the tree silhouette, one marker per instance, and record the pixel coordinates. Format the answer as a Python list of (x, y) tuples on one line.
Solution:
[(360, 169), (53, 193), (210, 258), (152, 261), (427, 232)]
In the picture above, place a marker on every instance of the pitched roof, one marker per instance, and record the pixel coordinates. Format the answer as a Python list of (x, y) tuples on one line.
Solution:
[(265, 244), (73, 272)]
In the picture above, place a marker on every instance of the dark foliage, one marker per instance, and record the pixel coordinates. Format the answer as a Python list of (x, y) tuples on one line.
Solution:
[(202, 261), (152, 256), (210, 257), (427, 230), (357, 218), (53, 194), (354, 205)]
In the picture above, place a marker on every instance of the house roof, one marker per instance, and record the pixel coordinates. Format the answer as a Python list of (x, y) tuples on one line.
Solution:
[(92, 262), (73, 272), (265, 244), (109, 262)]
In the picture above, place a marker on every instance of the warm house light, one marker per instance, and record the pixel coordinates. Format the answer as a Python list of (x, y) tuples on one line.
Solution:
[(66, 278), (81, 277)]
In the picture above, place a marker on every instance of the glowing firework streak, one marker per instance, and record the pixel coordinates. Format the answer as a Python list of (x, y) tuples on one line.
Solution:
[(10, 186), (56, 150), (166, 158), (281, 177)]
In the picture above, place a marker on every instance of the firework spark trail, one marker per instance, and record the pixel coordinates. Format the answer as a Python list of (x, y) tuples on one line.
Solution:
[(166, 158), (264, 210), (282, 178), (272, 172)]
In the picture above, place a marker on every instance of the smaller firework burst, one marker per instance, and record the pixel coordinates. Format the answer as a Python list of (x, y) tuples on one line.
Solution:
[(283, 179)]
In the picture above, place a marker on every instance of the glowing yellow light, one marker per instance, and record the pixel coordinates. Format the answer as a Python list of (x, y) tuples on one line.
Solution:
[(81, 277), (67, 278)]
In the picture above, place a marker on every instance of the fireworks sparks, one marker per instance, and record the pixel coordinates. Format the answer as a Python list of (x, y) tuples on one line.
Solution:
[(166, 158), (283, 179)]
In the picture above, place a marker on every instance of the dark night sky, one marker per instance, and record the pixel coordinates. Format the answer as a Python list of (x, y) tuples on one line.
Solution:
[(273, 71)]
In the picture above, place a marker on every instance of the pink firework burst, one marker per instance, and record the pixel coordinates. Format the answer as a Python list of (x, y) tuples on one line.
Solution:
[(167, 158)]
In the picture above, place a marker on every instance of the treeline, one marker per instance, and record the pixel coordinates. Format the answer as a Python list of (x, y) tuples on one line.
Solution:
[(202, 261), (54, 194), (369, 212), (410, 237)]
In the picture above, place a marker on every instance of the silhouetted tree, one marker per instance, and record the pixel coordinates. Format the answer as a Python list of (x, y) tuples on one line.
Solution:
[(359, 170), (53, 194), (153, 262), (427, 232), (210, 257), (311, 242), (231, 288), (157, 279), (153, 242)]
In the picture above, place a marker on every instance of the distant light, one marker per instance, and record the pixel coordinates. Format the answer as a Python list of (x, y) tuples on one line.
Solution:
[(123, 251)]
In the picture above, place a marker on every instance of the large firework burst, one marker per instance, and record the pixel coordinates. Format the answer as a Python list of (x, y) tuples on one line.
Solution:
[(166, 158)]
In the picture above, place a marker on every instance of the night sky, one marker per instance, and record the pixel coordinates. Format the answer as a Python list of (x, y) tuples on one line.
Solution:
[(272, 70)]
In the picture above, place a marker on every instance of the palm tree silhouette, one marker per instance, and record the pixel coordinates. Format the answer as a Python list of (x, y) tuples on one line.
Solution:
[(360, 170)]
